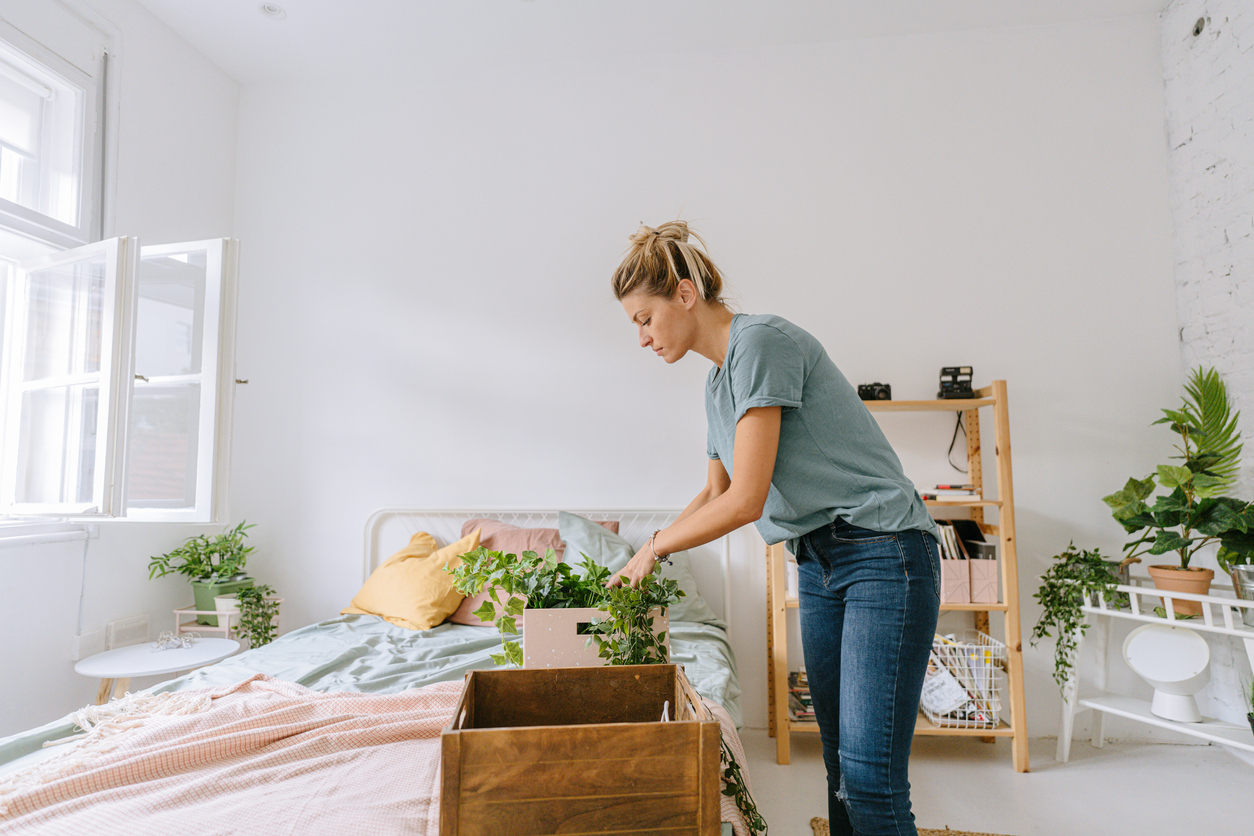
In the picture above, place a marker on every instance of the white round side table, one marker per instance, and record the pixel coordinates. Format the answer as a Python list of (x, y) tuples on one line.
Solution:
[(114, 668)]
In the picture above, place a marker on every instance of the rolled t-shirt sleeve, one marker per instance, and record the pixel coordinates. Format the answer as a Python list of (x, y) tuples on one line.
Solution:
[(768, 369)]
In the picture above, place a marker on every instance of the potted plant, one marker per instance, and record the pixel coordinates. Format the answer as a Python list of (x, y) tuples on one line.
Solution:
[(1065, 586), (214, 565), (1194, 512), (531, 581)]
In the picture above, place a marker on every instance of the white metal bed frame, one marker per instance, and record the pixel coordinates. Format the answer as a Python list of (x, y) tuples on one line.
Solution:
[(389, 529)]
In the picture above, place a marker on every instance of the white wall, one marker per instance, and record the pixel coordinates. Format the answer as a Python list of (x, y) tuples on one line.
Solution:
[(176, 182), (1210, 123), (425, 314)]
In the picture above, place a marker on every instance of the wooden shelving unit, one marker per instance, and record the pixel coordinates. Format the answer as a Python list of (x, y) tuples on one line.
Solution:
[(778, 602)]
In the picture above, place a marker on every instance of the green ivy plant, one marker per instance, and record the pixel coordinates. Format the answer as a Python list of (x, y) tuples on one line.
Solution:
[(256, 614), (207, 559), (1194, 512), (738, 790), (1064, 587), (1249, 699), (625, 636), (529, 580)]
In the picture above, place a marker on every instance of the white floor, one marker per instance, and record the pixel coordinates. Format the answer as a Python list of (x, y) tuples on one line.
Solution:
[(965, 784)]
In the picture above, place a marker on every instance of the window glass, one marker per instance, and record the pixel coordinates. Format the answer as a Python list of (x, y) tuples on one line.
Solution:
[(164, 439), (64, 317), (161, 454), (169, 322), (41, 138), (57, 445)]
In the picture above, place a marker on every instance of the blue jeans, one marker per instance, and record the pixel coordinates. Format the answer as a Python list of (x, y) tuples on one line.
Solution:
[(869, 602)]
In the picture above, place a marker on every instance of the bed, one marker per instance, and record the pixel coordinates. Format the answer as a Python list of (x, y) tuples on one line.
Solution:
[(333, 727)]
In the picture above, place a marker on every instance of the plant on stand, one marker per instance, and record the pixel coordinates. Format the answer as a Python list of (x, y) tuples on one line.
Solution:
[(1073, 578), (214, 565), (1194, 512)]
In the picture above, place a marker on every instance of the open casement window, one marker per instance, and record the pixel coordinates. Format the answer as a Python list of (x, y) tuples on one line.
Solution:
[(182, 382), (118, 387), (63, 380)]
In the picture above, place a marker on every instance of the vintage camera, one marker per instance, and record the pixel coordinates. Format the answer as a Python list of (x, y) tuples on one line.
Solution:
[(875, 391), (955, 382)]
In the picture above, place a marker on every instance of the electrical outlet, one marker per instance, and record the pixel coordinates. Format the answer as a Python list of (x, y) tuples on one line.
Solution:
[(127, 631), (88, 644)]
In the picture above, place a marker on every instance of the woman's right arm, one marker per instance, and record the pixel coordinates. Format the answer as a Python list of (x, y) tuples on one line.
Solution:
[(716, 482)]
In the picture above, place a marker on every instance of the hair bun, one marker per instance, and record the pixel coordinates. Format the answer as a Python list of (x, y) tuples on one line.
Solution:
[(669, 231), (673, 231)]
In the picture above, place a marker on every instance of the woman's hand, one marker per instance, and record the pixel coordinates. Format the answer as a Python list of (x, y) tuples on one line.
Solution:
[(642, 564)]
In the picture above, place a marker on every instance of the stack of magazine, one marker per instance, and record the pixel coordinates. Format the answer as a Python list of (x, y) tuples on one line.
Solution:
[(962, 688)]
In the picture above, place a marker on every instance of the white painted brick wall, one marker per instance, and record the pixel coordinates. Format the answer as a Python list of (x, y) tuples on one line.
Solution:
[(1210, 126)]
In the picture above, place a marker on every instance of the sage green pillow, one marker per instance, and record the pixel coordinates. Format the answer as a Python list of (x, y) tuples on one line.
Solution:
[(612, 551)]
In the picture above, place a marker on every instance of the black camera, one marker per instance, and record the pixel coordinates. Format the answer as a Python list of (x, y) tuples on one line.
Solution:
[(875, 391), (955, 382)]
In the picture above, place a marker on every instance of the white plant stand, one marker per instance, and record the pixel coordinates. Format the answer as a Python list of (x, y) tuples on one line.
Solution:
[(1221, 614)]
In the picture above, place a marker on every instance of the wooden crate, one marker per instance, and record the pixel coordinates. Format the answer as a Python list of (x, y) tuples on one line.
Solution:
[(580, 750)]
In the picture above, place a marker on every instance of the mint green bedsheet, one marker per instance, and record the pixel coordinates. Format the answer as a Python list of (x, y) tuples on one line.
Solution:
[(365, 653)]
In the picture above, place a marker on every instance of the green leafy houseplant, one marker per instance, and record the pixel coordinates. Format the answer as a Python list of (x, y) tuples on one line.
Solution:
[(1064, 587), (257, 609), (528, 580), (205, 558), (1194, 512), (214, 565)]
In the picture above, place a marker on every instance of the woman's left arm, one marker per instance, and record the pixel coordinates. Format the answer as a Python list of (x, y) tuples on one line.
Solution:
[(757, 443)]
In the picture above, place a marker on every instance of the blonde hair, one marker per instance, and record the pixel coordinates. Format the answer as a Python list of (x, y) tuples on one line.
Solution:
[(658, 259)]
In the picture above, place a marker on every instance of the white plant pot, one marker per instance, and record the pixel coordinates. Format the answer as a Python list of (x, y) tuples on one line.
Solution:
[(228, 603)]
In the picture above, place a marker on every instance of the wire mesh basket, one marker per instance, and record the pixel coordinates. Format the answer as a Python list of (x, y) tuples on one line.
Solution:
[(964, 683)]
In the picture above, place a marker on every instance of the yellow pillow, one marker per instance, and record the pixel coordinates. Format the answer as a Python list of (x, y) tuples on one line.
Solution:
[(411, 589)]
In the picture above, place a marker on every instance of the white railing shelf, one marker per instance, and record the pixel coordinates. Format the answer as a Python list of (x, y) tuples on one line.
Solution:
[(1221, 614)]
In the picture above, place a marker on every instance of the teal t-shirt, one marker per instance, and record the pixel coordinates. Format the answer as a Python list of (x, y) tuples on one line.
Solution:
[(833, 461)]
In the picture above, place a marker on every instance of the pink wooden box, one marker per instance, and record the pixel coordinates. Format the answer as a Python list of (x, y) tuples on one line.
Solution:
[(555, 638)]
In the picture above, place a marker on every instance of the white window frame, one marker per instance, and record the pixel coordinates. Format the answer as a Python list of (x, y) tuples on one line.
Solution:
[(30, 222), (117, 381), (118, 254), (217, 383)]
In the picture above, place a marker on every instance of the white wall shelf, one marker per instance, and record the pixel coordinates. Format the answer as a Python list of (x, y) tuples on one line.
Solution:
[(1221, 615)]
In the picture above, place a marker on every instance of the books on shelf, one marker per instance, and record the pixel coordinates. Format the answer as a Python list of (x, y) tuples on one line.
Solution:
[(800, 707), (951, 493)]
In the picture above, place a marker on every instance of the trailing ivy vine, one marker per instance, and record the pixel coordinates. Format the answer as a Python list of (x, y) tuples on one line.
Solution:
[(1074, 575), (256, 614)]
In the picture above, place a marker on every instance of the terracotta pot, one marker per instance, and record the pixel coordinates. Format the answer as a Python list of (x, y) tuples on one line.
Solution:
[(1175, 579)]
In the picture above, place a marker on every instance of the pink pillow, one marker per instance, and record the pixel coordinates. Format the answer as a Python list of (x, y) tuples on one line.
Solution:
[(502, 537)]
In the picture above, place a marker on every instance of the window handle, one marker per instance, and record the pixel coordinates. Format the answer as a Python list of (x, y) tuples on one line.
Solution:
[(141, 377)]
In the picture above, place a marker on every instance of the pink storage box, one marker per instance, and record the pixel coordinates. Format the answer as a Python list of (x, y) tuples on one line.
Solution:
[(553, 638)]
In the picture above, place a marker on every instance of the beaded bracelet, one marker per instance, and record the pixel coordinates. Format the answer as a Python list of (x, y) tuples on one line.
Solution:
[(659, 558)]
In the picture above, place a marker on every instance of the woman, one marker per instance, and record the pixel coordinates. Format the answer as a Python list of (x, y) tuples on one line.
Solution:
[(812, 467)]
